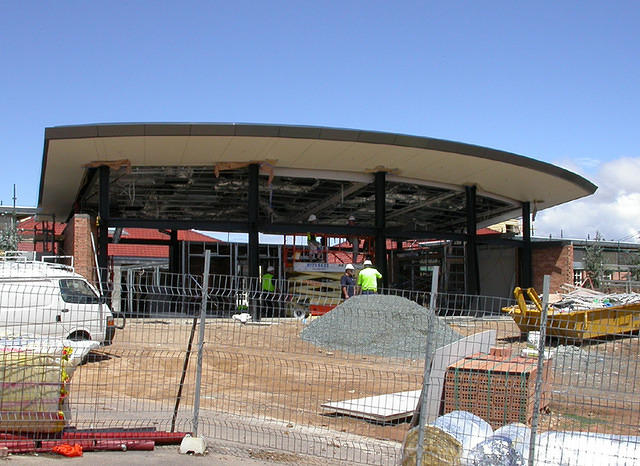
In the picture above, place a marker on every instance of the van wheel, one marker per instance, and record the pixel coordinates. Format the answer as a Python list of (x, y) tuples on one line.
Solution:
[(79, 336), (300, 314)]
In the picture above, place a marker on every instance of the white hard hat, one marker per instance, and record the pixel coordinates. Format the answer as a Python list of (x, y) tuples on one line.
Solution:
[(352, 218), (270, 268), (312, 218), (349, 267), (367, 262)]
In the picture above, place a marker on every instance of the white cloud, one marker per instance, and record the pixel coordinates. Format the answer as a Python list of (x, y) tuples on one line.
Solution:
[(614, 210), (621, 175), (580, 164)]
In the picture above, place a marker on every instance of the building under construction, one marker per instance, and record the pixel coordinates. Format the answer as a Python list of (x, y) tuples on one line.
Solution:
[(401, 190)]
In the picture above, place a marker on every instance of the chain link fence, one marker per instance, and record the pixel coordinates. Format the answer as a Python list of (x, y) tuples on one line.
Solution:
[(299, 371)]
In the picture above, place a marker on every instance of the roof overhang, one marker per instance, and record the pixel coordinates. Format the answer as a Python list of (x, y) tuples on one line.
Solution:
[(342, 155)]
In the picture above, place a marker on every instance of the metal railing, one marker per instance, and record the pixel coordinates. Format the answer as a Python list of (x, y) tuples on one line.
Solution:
[(311, 374)]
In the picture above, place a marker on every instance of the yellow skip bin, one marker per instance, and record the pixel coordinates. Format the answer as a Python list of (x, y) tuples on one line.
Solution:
[(573, 324)]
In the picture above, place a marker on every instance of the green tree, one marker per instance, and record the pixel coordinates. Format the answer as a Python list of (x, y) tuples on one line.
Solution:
[(593, 260), (8, 238), (635, 271)]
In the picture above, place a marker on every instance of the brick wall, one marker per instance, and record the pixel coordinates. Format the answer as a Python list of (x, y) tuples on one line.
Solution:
[(553, 260), (77, 242)]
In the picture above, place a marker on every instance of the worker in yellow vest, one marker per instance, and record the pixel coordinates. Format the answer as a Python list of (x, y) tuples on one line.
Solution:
[(368, 279), (268, 292)]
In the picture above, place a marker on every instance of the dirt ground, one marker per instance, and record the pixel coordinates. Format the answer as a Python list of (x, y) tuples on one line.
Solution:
[(267, 372)]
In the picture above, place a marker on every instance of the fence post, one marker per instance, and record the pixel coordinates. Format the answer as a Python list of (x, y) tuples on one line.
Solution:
[(203, 317), (427, 368), (434, 287), (130, 292), (538, 394)]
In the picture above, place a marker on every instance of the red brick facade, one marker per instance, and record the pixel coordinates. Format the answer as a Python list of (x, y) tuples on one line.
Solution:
[(77, 242), (554, 260)]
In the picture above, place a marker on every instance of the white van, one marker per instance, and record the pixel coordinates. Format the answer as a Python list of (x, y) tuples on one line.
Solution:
[(51, 300)]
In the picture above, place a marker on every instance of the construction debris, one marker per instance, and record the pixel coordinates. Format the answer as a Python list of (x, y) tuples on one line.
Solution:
[(461, 438), (579, 316), (36, 375), (243, 317), (193, 445), (91, 440), (438, 449), (580, 299)]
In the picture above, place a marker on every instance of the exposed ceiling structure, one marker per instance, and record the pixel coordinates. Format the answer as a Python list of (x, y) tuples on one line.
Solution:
[(184, 193), (178, 172)]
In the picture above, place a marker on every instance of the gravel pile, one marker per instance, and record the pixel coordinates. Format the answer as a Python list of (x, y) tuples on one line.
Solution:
[(574, 358), (380, 325), (583, 368), (579, 363)]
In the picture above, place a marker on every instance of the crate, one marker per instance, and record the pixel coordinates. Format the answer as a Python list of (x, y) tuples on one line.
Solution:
[(497, 387)]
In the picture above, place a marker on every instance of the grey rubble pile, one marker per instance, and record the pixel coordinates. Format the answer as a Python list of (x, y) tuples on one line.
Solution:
[(380, 325), (574, 358)]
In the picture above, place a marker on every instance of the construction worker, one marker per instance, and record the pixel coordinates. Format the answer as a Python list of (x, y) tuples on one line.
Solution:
[(268, 291), (347, 282), (312, 241), (368, 279)]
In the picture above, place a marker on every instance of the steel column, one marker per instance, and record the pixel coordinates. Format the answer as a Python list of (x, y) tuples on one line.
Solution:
[(380, 224), (253, 253), (103, 222), (472, 272), (174, 252), (526, 271)]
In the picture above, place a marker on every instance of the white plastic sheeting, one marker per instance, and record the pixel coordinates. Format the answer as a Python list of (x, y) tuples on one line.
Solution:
[(466, 428), (509, 445), (587, 449)]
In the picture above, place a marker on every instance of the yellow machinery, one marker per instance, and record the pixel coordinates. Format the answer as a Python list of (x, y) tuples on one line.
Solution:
[(576, 325)]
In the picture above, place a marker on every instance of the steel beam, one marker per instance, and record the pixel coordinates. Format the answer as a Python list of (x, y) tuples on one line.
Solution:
[(103, 222), (526, 262), (198, 224), (332, 200), (472, 272), (254, 247), (303, 228), (380, 224), (421, 205), (425, 235), (174, 252)]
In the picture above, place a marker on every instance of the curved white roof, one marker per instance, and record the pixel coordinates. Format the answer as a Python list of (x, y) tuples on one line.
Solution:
[(316, 151)]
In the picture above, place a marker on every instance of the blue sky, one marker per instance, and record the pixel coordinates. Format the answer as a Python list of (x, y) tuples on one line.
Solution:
[(552, 80)]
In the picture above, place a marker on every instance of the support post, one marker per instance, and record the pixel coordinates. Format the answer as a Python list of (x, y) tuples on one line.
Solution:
[(174, 252), (472, 272), (546, 281), (103, 222), (426, 379), (203, 317), (381, 234), (253, 254), (526, 270)]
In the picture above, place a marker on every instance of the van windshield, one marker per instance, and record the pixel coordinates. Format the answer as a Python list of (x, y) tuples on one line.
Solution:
[(77, 292)]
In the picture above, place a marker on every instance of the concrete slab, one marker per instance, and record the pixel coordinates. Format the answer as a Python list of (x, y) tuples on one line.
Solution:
[(400, 405), (382, 408)]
